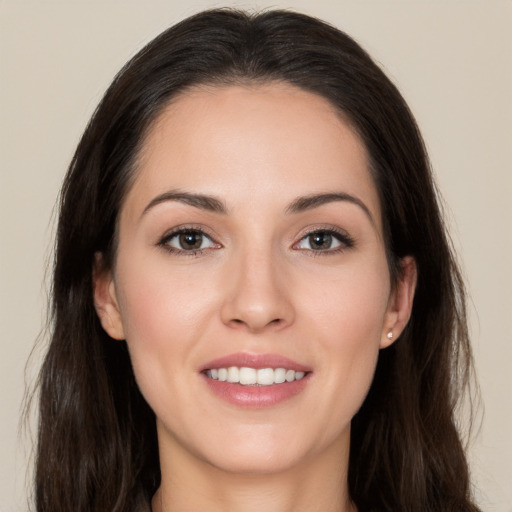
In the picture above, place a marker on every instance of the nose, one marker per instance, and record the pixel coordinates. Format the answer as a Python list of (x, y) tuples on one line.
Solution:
[(258, 296)]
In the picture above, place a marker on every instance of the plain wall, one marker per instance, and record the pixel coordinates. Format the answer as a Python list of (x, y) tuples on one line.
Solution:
[(452, 61)]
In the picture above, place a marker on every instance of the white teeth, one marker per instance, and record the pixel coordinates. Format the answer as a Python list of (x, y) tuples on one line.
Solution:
[(265, 377), (233, 374), (290, 376), (250, 376), (280, 375)]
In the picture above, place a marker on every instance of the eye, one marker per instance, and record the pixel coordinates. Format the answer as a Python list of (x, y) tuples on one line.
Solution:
[(188, 240), (324, 240)]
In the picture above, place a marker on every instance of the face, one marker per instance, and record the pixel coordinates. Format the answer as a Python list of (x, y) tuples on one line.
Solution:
[(250, 253)]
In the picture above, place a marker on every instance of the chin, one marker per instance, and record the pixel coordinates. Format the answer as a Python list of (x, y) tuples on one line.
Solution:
[(267, 451), (257, 464)]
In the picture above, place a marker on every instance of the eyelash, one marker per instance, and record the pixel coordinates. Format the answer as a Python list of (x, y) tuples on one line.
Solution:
[(164, 242), (344, 239)]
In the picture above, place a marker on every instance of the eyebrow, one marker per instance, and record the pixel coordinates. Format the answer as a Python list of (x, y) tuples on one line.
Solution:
[(200, 201), (298, 205), (302, 204)]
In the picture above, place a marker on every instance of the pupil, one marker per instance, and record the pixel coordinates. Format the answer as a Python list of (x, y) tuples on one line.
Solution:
[(320, 240), (191, 240)]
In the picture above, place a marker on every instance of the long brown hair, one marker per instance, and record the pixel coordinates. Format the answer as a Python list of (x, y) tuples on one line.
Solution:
[(97, 445)]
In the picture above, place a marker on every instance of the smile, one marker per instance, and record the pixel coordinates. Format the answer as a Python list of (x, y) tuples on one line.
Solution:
[(256, 381), (254, 377)]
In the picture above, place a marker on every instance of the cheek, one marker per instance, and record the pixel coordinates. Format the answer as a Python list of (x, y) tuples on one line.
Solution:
[(159, 303), (350, 306), (164, 314), (347, 319)]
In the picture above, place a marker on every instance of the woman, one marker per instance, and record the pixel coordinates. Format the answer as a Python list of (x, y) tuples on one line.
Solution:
[(247, 307)]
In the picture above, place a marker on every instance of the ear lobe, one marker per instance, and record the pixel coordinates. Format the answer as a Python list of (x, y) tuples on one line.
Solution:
[(400, 302), (105, 300)]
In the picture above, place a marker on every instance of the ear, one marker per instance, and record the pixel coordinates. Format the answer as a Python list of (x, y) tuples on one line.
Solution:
[(400, 302), (105, 299)]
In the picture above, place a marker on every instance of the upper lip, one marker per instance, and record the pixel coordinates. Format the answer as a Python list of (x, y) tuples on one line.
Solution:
[(257, 361)]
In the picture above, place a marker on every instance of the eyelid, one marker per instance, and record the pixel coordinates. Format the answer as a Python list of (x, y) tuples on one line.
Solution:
[(187, 228), (346, 241)]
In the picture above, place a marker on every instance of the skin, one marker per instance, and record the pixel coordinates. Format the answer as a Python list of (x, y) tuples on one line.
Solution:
[(256, 286)]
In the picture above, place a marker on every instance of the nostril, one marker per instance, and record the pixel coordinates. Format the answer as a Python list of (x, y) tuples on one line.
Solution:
[(237, 322)]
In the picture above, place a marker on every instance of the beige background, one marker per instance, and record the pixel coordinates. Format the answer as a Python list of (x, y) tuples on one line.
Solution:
[(451, 59)]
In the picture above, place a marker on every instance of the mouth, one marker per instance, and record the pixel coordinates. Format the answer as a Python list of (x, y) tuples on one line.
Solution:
[(255, 380), (247, 376)]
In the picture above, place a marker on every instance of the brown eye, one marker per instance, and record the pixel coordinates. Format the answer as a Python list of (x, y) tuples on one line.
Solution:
[(190, 241), (320, 240), (325, 240)]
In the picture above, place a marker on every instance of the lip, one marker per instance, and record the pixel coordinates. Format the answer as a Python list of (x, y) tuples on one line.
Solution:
[(255, 361), (255, 397)]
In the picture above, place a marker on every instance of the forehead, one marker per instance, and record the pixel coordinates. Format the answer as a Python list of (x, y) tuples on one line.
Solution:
[(250, 144)]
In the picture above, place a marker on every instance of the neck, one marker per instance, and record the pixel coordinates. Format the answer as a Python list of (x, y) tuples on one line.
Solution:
[(191, 484)]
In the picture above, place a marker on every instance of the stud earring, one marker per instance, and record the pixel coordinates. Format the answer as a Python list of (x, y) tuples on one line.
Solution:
[(390, 335)]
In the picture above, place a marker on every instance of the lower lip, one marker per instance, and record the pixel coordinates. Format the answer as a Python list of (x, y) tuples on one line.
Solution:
[(256, 397)]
